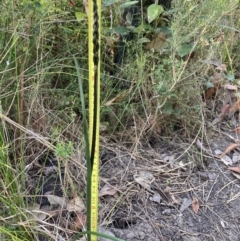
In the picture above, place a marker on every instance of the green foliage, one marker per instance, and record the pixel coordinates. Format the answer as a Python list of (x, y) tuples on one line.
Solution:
[(154, 12), (174, 85), (80, 15), (11, 200), (107, 3), (128, 4), (64, 150), (186, 49)]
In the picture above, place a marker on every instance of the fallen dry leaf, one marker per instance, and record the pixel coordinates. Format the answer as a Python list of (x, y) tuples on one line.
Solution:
[(222, 67), (213, 62), (117, 98), (55, 200), (236, 175), (76, 204), (235, 157), (218, 152), (230, 87), (79, 222), (107, 190), (224, 109), (226, 160), (231, 147), (195, 205), (237, 129), (156, 198), (210, 92), (217, 84), (36, 213), (234, 169), (235, 107), (144, 178), (158, 42), (200, 146)]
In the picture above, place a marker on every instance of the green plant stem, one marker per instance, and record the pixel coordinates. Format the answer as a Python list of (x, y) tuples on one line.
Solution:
[(89, 168)]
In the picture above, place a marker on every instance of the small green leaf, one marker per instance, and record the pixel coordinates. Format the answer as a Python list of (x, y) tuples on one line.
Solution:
[(80, 15), (209, 85), (143, 40), (38, 4), (143, 27), (64, 150), (105, 236), (177, 112), (164, 29), (230, 77), (120, 30), (167, 108), (154, 12), (128, 4), (109, 2), (185, 49)]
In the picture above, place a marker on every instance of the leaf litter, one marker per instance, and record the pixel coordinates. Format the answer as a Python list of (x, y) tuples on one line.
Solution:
[(144, 190), (195, 205), (144, 178), (107, 190)]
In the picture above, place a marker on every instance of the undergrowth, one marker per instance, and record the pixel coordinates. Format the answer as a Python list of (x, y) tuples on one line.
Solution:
[(153, 91)]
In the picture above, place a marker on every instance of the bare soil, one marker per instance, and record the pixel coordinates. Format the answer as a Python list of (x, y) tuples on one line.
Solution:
[(191, 195), (135, 217)]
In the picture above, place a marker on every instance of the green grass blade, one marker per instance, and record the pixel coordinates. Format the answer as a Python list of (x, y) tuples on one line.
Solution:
[(85, 128), (99, 235)]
